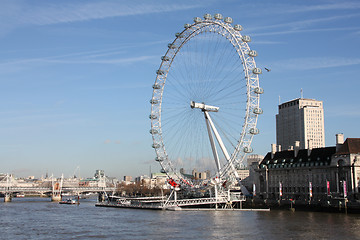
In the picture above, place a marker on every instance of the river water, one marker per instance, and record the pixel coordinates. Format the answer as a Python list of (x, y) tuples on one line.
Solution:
[(38, 218)]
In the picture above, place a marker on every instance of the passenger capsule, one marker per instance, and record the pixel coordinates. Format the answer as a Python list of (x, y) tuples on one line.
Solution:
[(238, 27), (252, 53), (228, 20), (156, 145), (153, 131), (254, 131), (158, 159), (178, 35), (197, 20), (165, 58), (162, 171), (156, 86), (258, 111), (257, 71), (218, 16), (160, 72), (258, 90), (187, 25), (152, 116), (171, 46), (246, 38), (154, 101), (248, 149), (207, 16)]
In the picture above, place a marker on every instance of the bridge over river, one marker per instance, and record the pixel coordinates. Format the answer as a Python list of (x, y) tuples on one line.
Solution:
[(54, 188), (52, 192)]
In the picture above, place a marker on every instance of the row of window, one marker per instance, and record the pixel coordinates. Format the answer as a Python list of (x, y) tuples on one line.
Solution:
[(287, 190), (292, 165)]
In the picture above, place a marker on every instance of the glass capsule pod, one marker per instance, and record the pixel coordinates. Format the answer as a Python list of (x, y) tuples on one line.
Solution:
[(156, 86), (153, 131), (178, 35), (160, 72), (218, 16), (228, 20), (238, 27), (165, 58), (248, 149), (257, 71), (254, 131), (246, 38), (162, 171), (152, 116), (252, 53), (154, 101), (156, 145), (207, 16), (197, 20), (171, 46), (258, 111), (159, 159), (258, 90), (187, 25)]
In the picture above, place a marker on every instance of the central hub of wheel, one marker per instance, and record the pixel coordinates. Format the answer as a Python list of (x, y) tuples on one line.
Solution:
[(204, 107)]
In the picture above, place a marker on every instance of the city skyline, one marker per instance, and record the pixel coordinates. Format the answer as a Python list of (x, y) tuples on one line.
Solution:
[(76, 77)]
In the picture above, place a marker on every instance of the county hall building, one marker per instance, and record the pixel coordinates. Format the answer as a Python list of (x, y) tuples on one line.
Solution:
[(300, 167)]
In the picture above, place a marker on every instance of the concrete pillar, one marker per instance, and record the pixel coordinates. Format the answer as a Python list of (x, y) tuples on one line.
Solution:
[(7, 197), (56, 198)]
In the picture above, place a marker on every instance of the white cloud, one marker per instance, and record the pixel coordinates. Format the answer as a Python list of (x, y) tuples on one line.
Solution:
[(325, 7), (314, 63), (306, 30), (303, 24), (107, 141), (53, 13)]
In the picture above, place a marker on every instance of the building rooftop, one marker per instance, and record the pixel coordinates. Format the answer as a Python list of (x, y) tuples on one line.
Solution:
[(351, 145), (317, 157)]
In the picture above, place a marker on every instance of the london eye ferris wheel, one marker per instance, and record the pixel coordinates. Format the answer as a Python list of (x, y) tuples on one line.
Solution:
[(205, 101)]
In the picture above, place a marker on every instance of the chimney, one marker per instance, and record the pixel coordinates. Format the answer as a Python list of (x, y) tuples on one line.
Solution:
[(309, 146), (273, 149), (296, 148), (279, 148), (339, 140)]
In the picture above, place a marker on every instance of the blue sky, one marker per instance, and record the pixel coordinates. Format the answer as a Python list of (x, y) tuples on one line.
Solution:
[(76, 76)]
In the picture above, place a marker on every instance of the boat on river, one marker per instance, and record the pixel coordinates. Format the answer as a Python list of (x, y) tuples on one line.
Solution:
[(69, 201)]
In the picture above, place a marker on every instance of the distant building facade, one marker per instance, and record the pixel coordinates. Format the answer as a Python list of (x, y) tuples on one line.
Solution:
[(300, 120), (127, 178), (253, 161)]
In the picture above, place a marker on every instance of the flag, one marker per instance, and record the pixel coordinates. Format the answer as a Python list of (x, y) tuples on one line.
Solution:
[(310, 189), (328, 188)]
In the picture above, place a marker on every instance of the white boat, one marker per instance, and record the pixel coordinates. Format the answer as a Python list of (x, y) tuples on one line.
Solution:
[(69, 201)]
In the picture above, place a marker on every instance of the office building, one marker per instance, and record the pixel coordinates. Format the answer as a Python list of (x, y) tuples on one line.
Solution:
[(300, 123)]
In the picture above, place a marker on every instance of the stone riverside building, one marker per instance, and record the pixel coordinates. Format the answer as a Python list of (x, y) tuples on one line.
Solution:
[(326, 169)]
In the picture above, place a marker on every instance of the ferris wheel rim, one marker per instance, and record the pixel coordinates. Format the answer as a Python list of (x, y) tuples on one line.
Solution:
[(239, 43)]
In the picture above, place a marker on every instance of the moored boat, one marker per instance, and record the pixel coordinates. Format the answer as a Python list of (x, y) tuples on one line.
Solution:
[(69, 201)]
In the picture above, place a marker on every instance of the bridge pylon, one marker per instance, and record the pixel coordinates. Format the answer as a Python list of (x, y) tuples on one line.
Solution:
[(56, 189), (7, 194)]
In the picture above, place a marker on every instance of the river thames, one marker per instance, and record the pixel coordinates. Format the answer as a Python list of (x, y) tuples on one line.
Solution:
[(38, 218)]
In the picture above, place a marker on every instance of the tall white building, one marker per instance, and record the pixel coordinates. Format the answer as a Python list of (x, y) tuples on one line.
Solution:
[(300, 120)]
